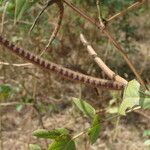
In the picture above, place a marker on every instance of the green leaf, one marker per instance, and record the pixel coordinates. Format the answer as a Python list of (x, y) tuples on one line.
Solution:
[(19, 107), (131, 97), (5, 91), (145, 101), (42, 133), (64, 143), (1, 1), (146, 133), (95, 129), (63, 131), (146, 92), (147, 143), (27, 100), (86, 108), (11, 7), (34, 147), (21, 6)]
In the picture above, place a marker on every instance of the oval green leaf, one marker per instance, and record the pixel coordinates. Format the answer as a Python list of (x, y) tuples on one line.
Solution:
[(5, 91), (94, 130), (64, 143), (86, 108), (146, 133), (42, 133), (131, 97)]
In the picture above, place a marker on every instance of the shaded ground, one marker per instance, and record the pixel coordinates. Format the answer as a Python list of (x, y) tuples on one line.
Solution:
[(19, 126)]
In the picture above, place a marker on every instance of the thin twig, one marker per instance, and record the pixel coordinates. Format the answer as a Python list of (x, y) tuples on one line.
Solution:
[(13, 104), (3, 17), (133, 6), (50, 2), (112, 75), (142, 114), (17, 65), (100, 14), (80, 134)]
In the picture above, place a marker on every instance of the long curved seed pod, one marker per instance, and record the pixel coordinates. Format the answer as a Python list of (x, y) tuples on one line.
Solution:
[(60, 5), (41, 12), (61, 13), (59, 70)]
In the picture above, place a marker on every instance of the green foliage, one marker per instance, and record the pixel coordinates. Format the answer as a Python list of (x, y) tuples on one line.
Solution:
[(19, 107), (48, 108), (1, 2), (21, 6), (146, 102), (146, 133), (34, 147), (133, 97), (95, 128), (86, 108), (113, 106), (147, 143), (63, 143), (6, 91), (41, 133), (62, 138), (25, 101)]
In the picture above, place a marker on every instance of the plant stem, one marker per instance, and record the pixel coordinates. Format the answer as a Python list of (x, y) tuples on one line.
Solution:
[(111, 38)]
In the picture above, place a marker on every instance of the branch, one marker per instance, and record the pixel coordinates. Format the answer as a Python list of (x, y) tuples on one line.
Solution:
[(133, 6), (112, 75), (98, 4), (125, 56), (81, 13), (111, 38)]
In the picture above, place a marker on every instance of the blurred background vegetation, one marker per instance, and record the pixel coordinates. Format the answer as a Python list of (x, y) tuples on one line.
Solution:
[(34, 94)]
